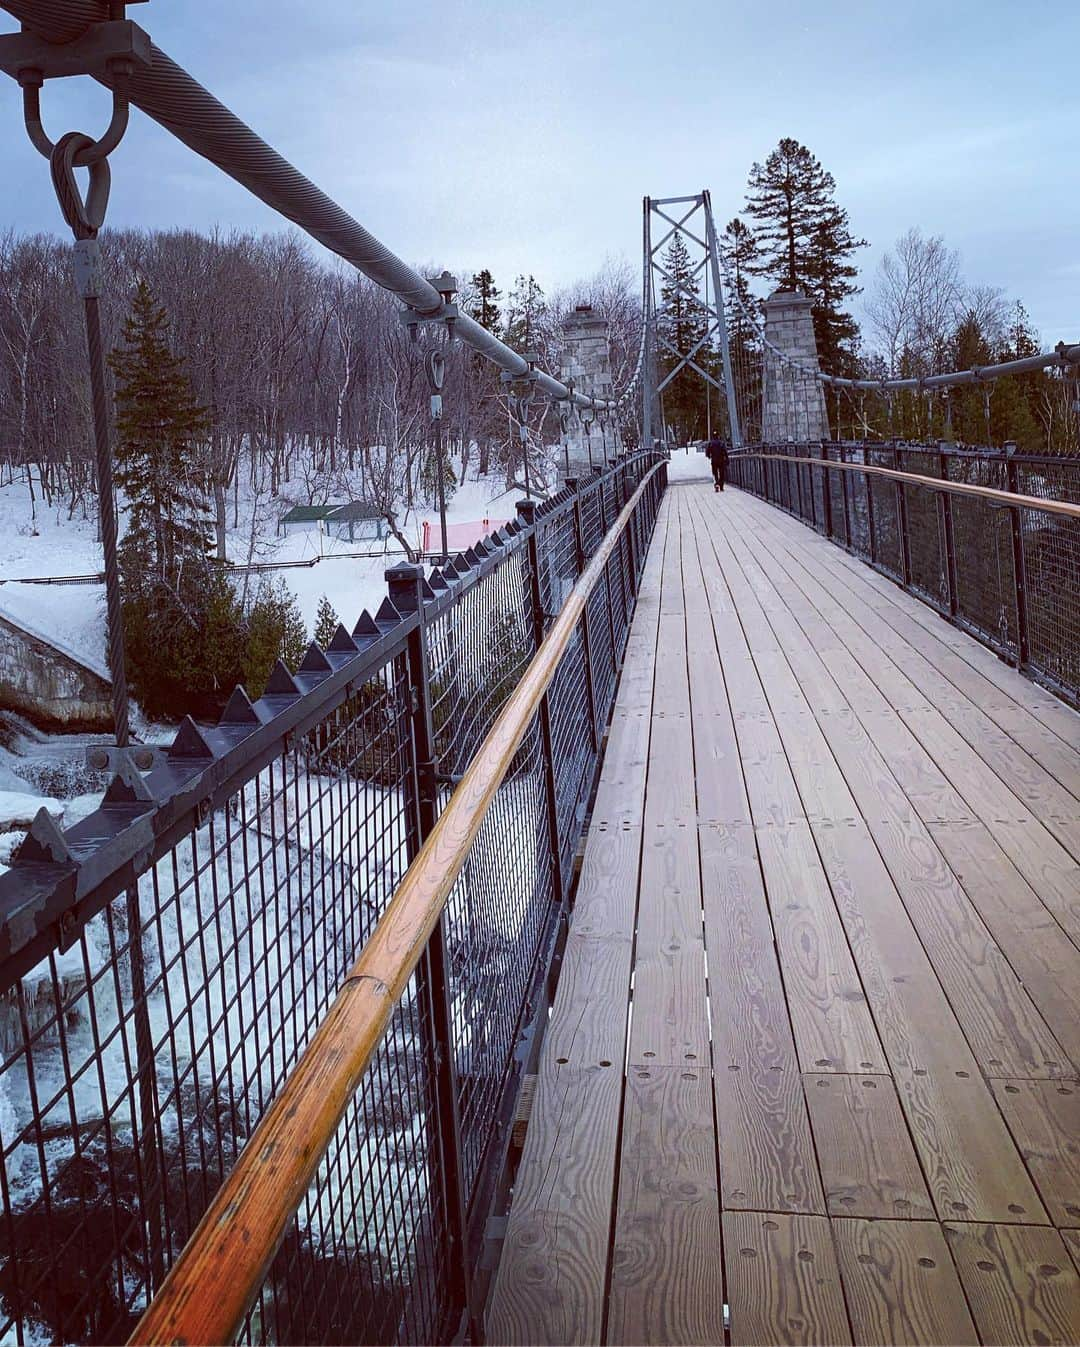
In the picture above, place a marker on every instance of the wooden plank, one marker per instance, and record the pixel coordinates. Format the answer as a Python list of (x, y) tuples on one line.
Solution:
[(868, 1163), (1030, 938), (973, 1168), (900, 1284), (1044, 1117), (551, 1282), (834, 1030), (1020, 1282), (1072, 1243), (669, 1025), (666, 1282), (999, 1016), (1045, 854), (967, 663), (783, 1282), (551, 1279), (767, 1159), (999, 1019), (606, 898)]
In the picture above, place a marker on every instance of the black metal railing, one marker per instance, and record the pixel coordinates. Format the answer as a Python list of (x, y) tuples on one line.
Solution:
[(1007, 574), (164, 962)]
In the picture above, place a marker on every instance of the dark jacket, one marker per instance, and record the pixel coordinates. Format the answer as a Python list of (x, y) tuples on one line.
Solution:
[(716, 450)]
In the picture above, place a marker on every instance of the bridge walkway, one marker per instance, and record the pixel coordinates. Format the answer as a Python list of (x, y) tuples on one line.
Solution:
[(811, 1072)]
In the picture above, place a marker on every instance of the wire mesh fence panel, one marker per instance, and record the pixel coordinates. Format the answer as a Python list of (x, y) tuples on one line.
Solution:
[(364, 1260), (929, 574), (146, 1028), (858, 509), (837, 497), (1007, 575), (819, 486), (983, 551), (137, 1061), (886, 532), (806, 493)]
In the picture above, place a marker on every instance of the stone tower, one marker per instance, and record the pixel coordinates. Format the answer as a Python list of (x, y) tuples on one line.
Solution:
[(794, 401), (586, 359)]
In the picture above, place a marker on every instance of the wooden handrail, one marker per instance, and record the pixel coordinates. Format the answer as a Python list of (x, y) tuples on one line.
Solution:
[(207, 1293), (990, 493)]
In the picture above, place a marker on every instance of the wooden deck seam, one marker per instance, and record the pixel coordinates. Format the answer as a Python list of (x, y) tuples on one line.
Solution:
[(1011, 851), (850, 572), (829, 674), (752, 602)]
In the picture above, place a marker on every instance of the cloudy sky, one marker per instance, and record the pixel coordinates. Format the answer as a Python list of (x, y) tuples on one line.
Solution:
[(522, 136)]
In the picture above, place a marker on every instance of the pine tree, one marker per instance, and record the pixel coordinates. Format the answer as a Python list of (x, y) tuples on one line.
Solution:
[(525, 314), (326, 623), (294, 637), (805, 242), (1016, 399), (160, 428), (182, 626), (830, 280), (681, 324), (484, 307), (275, 630), (738, 252)]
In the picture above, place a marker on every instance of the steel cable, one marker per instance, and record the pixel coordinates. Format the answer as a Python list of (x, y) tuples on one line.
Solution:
[(1062, 356), (176, 101)]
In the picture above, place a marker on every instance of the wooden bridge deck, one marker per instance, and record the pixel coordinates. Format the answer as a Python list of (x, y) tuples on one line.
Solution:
[(833, 874)]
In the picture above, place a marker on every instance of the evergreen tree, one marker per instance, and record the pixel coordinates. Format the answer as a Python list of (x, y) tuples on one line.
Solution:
[(739, 253), (525, 315), (294, 637), (681, 324), (275, 630), (160, 429), (182, 625), (830, 280), (326, 623), (805, 242), (484, 306), (1016, 400)]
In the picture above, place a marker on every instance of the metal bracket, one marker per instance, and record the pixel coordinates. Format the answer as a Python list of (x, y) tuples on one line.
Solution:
[(447, 312), (88, 54), (109, 758)]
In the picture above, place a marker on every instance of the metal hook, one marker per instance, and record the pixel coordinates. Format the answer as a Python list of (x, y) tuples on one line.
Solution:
[(93, 151)]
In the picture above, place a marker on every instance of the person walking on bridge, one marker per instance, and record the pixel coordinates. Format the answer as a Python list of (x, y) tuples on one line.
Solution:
[(717, 452)]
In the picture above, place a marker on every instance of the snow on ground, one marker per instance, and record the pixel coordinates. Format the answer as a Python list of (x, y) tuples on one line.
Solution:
[(72, 617), (689, 466)]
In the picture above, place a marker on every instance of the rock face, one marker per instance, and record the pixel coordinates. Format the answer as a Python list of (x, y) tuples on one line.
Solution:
[(586, 359), (794, 400), (50, 687)]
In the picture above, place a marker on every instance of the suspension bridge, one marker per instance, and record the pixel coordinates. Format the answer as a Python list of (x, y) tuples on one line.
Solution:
[(656, 923)]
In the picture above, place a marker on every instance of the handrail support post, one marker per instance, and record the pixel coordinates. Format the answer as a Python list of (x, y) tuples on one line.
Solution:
[(405, 587), (526, 510), (902, 534), (1023, 644), (948, 540), (586, 644)]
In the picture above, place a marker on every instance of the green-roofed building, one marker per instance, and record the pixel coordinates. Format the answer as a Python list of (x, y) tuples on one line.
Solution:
[(355, 521)]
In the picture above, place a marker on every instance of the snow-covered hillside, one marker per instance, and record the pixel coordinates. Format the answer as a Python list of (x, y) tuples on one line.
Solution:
[(73, 616)]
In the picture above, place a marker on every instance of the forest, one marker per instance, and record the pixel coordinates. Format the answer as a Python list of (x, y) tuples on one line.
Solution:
[(249, 372)]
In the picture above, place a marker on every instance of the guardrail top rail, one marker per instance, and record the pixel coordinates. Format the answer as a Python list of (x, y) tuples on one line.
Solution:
[(170, 963), (990, 539)]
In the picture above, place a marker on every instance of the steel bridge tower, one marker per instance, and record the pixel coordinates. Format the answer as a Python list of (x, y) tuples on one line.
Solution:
[(707, 260)]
